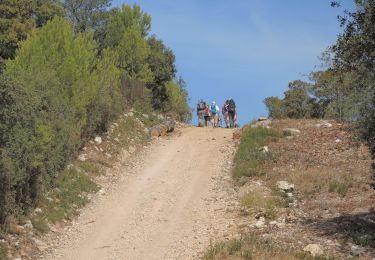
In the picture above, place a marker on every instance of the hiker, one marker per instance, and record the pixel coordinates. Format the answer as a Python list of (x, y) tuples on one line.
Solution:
[(201, 106), (207, 115), (224, 111), (232, 113), (214, 114)]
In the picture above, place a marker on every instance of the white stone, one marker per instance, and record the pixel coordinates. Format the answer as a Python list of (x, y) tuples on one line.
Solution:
[(285, 186), (82, 157), (132, 149), (145, 116), (98, 140), (265, 149), (327, 124), (28, 225), (337, 140), (38, 210), (260, 223), (314, 249), (355, 250), (292, 131)]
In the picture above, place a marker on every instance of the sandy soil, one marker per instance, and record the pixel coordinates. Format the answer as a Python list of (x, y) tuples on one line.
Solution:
[(174, 201)]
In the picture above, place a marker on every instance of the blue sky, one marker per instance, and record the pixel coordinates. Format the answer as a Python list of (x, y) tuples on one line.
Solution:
[(244, 49)]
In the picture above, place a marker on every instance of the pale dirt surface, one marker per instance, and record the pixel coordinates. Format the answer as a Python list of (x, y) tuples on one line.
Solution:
[(171, 203)]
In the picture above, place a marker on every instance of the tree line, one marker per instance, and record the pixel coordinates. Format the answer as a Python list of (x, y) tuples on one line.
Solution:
[(345, 89), (67, 69)]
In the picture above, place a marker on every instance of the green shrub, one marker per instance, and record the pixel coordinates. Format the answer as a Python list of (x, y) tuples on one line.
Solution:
[(250, 155), (340, 186), (55, 94), (178, 105)]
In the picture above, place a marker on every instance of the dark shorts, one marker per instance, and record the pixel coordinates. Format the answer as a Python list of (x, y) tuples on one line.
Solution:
[(207, 118)]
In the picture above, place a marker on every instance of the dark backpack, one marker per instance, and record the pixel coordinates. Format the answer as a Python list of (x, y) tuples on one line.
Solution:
[(201, 106), (231, 106)]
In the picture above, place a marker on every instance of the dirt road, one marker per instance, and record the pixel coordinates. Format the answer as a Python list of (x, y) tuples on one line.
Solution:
[(171, 205)]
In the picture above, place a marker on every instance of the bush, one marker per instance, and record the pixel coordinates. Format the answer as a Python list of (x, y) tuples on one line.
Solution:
[(178, 106), (340, 186), (56, 93)]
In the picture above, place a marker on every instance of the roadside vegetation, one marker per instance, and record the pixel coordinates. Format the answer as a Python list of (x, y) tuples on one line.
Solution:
[(343, 88), (70, 71), (251, 153), (253, 246)]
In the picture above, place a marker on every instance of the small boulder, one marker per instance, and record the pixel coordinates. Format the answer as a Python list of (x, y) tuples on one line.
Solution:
[(98, 140), (155, 132), (265, 149), (326, 124), (145, 116), (28, 225), (82, 157), (262, 118), (356, 250), (262, 123), (285, 186), (170, 124), (291, 131), (132, 149), (314, 249), (260, 223), (163, 130), (38, 210)]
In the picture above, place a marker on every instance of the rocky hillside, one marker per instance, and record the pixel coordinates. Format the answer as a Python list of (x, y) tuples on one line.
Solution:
[(310, 196)]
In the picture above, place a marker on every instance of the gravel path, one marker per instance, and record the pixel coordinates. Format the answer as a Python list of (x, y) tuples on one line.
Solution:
[(175, 201)]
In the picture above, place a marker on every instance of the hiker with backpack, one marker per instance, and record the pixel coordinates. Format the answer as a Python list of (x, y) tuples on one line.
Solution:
[(224, 111), (232, 113), (214, 114), (201, 106)]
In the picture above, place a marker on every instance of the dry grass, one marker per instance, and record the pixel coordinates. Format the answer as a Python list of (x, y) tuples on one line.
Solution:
[(254, 247), (311, 182)]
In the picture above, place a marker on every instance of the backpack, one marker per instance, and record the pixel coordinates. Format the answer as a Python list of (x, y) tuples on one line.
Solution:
[(213, 109), (231, 105), (201, 105), (207, 111)]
